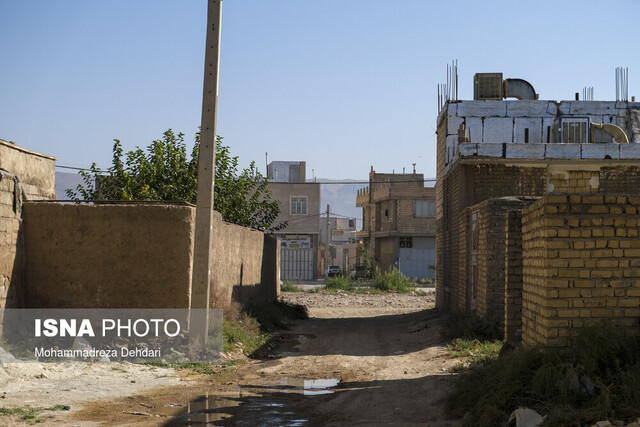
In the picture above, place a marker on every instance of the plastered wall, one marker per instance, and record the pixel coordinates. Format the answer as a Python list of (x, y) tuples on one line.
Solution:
[(138, 256)]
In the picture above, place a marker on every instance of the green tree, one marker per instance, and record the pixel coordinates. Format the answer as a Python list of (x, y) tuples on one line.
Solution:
[(164, 171)]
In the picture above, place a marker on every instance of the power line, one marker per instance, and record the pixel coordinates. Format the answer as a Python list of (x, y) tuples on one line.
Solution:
[(355, 182), (80, 169)]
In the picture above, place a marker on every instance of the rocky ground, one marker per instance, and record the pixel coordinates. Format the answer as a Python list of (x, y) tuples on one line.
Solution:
[(359, 360)]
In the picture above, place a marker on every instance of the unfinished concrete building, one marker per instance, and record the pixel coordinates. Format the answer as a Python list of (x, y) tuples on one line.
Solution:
[(538, 210), (398, 222)]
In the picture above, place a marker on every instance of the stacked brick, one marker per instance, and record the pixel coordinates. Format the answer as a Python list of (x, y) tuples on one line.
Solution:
[(9, 255), (496, 180), (491, 254), (619, 179), (36, 173), (581, 259), (513, 276), (498, 250), (575, 181)]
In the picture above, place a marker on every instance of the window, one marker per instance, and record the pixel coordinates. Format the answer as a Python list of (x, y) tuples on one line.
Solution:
[(406, 242), (298, 205), (425, 208), (352, 223)]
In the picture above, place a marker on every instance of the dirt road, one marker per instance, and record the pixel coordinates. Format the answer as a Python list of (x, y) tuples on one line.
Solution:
[(359, 360)]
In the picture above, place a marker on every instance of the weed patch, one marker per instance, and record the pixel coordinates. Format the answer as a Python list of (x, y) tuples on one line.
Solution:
[(31, 415), (392, 281), (479, 352), (253, 331), (288, 286), (244, 334), (596, 378), (341, 283)]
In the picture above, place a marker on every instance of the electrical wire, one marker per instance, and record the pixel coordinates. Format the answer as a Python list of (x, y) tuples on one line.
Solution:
[(353, 182)]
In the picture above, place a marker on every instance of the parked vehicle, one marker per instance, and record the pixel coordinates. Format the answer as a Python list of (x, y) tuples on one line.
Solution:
[(333, 270)]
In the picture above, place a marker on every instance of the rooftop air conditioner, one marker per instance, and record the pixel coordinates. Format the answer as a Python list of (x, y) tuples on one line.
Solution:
[(574, 130), (488, 86)]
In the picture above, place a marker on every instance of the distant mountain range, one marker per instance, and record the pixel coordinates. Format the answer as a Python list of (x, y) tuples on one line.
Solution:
[(341, 197)]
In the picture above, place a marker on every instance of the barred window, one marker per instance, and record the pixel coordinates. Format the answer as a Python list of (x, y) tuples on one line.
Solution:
[(298, 205), (406, 242)]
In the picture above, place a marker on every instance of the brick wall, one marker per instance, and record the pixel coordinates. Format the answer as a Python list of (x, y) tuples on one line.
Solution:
[(496, 180), (581, 259), (11, 247), (463, 186), (494, 249), (23, 173), (513, 276), (574, 182), (620, 179)]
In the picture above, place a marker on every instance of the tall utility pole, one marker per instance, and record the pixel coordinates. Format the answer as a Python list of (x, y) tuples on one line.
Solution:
[(201, 279), (326, 252)]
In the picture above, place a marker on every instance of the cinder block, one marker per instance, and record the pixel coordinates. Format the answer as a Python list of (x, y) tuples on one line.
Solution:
[(525, 151), (601, 151), (547, 130), (498, 129), (490, 150), (535, 130), (588, 108), (529, 108), (453, 124), (482, 109), (474, 126), (630, 151), (562, 151), (468, 149)]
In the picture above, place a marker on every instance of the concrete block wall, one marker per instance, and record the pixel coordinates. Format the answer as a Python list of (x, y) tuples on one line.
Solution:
[(581, 259), (490, 124)]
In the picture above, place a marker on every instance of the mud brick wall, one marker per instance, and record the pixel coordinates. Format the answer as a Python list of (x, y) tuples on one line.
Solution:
[(23, 173), (108, 256), (138, 256), (513, 276), (581, 263), (245, 265)]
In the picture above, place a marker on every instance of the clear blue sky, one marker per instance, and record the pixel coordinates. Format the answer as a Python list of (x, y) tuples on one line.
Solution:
[(342, 84)]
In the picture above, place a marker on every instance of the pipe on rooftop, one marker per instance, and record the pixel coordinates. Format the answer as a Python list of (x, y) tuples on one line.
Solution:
[(519, 89)]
